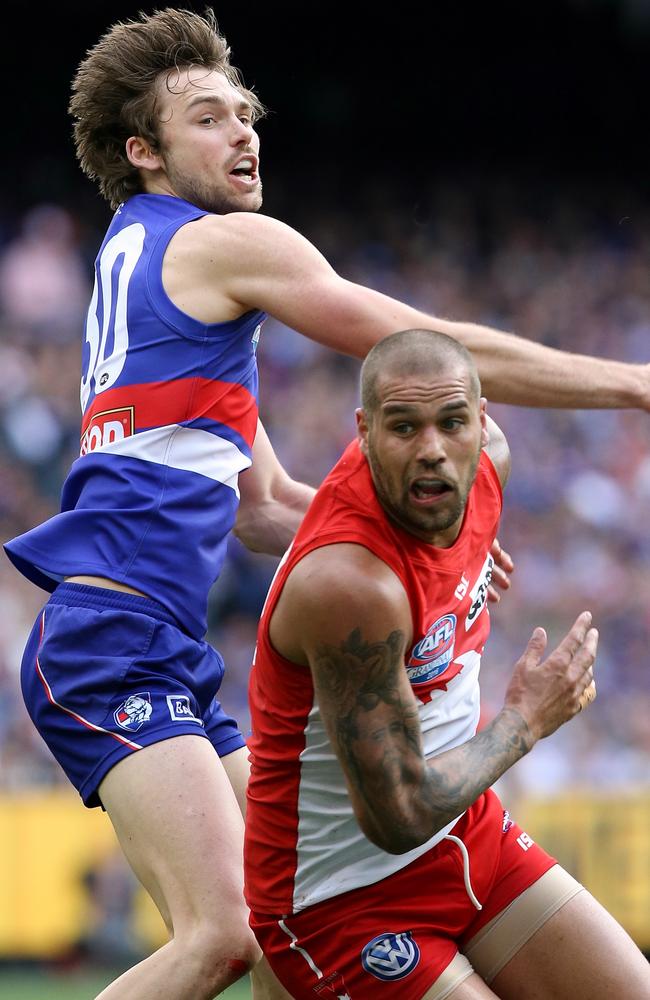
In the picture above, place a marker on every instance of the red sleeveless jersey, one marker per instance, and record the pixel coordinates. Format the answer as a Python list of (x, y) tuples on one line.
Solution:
[(303, 843)]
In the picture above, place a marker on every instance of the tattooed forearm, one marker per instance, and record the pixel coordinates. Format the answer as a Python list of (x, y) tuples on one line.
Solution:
[(371, 714), (457, 777), (400, 798)]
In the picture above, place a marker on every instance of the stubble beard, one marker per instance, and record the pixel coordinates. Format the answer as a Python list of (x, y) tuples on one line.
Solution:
[(210, 197), (424, 523)]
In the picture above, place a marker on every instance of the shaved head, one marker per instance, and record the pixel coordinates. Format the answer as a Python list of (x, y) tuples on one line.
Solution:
[(411, 352), (422, 426)]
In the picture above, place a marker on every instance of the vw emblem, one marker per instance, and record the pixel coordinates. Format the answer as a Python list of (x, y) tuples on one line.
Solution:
[(390, 956)]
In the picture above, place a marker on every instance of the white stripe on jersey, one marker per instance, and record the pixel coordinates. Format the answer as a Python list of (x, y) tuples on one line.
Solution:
[(187, 448)]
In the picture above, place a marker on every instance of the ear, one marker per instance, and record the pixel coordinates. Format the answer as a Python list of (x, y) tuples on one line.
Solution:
[(485, 434), (362, 430), (141, 155)]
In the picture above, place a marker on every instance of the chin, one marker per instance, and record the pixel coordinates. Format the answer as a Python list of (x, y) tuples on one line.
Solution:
[(244, 204)]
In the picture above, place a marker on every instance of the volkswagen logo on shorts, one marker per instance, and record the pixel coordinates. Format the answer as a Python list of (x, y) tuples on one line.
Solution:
[(390, 956)]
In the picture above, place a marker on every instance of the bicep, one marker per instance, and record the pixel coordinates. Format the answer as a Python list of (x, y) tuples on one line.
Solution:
[(355, 630), (372, 720), (267, 265), (366, 704)]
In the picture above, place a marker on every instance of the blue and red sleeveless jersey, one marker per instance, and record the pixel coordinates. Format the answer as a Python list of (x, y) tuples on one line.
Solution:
[(170, 411)]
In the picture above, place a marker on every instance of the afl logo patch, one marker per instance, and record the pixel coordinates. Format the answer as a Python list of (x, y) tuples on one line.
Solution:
[(390, 956), (433, 654)]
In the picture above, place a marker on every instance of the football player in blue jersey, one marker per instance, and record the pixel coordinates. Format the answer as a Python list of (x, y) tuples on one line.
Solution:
[(116, 674)]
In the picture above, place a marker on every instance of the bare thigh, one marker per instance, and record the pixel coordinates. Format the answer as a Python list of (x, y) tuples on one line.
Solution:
[(580, 953), (179, 824)]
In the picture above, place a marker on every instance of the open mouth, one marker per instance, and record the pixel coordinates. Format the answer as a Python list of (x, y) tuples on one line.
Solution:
[(426, 491), (245, 171)]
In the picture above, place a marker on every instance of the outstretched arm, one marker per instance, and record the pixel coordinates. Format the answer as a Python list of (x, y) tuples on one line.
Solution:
[(344, 613), (262, 263), (272, 503)]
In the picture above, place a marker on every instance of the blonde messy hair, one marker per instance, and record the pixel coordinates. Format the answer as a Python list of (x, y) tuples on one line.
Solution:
[(114, 89)]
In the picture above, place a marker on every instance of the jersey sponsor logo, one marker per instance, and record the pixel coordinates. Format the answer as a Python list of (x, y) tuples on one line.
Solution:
[(507, 822), (106, 427), (255, 339), (433, 653), (390, 956), (180, 709), (134, 711), (461, 589), (478, 593)]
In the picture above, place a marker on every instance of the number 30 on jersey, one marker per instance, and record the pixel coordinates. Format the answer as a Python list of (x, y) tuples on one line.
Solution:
[(107, 333)]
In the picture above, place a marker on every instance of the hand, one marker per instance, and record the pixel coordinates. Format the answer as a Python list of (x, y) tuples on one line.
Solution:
[(549, 693), (503, 567)]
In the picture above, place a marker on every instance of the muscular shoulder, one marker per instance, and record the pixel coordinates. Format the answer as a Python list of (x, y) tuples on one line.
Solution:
[(333, 591), (201, 259), (238, 233), (238, 262)]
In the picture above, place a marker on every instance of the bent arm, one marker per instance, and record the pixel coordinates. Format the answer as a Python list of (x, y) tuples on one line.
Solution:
[(266, 264), (345, 614), (272, 503)]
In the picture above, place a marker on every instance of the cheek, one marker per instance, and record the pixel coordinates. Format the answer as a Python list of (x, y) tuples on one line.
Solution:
[(395, 472)]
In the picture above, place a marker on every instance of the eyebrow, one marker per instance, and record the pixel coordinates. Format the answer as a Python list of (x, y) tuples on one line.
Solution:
[(243, 104), (389, 409)]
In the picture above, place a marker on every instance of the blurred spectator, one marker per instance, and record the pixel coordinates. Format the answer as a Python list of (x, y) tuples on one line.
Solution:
[(44, 285)]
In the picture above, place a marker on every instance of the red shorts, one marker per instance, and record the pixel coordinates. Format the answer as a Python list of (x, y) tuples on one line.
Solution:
[(404, 931)]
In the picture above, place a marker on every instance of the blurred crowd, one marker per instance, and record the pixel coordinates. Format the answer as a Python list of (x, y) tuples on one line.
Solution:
[(575, 521)]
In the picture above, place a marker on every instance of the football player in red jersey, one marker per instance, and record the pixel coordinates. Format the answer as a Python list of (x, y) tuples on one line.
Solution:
[(370, 790)]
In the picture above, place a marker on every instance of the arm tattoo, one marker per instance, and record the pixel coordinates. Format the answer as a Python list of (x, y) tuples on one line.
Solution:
[(373, 720)]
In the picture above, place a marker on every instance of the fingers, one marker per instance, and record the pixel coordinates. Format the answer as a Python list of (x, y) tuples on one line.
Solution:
[(500, 578), (536, 644), (576, 636), (584, 660), (503, 566), (588, 695), (501, 557)]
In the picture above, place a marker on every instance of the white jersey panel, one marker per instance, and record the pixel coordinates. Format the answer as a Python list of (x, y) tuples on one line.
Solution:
[(184, 448)]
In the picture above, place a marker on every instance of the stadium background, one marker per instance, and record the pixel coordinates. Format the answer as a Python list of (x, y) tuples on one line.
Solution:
[(484, 162)]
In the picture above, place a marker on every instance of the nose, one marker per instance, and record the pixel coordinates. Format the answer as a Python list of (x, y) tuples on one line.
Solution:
[(430, 449), (242, 132)]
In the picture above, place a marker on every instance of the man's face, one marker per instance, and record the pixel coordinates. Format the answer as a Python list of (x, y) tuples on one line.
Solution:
[(209, 148), (423, 444)]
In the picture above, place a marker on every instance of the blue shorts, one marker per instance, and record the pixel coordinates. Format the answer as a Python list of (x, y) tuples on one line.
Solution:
[(105, 673)]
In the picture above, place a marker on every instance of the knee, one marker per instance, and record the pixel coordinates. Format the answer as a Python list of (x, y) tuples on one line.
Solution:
[(225, 953)]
